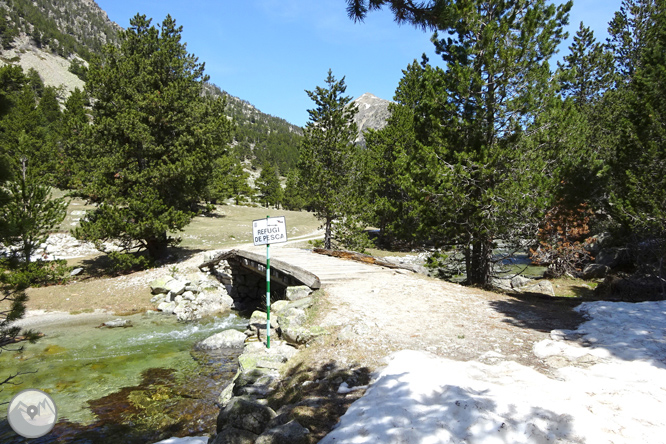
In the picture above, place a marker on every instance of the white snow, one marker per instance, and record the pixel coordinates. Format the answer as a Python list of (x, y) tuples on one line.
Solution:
[(610, 389)]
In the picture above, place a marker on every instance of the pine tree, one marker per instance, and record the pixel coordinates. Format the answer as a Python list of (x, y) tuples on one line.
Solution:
[(154, 138), (587, 70), (327, 153), (230, 181), (639, 162), (293, 198), (627, 35), (393, 199), (480, 178), (268, 186), (71, 152), (30, 213)]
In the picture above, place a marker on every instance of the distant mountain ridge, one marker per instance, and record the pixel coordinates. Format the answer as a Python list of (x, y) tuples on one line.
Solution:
[(52, 35)]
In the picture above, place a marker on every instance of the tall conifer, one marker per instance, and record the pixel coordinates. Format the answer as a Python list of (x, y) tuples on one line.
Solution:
[(327, 160), (154, 138)]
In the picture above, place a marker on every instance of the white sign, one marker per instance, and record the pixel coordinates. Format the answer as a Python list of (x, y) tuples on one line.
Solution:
[(272, 230)]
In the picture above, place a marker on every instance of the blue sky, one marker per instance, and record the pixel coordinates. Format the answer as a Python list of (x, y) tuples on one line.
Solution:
[(269, 52)]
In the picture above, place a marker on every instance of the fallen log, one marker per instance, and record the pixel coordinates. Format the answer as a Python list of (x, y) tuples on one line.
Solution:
[(365, 258)]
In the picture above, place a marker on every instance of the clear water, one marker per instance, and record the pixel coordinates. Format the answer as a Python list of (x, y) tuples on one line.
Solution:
[(84, 368)]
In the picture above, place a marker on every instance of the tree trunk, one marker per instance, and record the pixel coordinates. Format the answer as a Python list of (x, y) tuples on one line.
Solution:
[(327, 234), (479, 264), (157, 245)]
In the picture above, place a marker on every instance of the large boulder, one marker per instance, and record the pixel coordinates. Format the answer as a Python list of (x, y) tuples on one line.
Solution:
[(289, 433), (611, 257), (501, 283), (291, 320), (541, 286), (224, 339), (245, 414), (158, 286), (519, 281), (255, 382), (595, 271), (279, 306), (175, 286), (298, 292), (167, 307), (232, 435), (256, 355), (209, 302)]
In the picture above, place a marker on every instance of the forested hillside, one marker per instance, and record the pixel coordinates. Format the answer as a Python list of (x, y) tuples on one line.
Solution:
[(259, 137), (79, 27), (65, 27)]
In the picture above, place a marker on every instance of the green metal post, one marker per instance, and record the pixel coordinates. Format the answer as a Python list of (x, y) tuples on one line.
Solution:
[(268, 293)]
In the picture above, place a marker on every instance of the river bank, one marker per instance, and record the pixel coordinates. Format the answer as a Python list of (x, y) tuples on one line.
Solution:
[(131, 385)]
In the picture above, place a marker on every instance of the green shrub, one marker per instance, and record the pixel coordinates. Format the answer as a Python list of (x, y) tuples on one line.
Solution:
[(122, 263), (35, 274)]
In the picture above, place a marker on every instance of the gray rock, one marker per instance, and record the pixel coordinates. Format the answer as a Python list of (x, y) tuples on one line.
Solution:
[(225, 339), (188, 295), (279, 306), (167, 307), (158, 286), (292, 316), (258, 317), (255, 382), (256, 355), (291, 326), (595, 271), (117, 323), (231, 435), (245, 414), (184, 311), (175, 286), (501, 283), (303, 304), (296, 293), (611, 257), (541, 286), (228, 391), (157, 299), (519, 281), (212, 302), (302, 335), (289, 433)]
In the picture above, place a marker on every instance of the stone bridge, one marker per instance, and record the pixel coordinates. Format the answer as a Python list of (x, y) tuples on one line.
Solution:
[(244, 271)]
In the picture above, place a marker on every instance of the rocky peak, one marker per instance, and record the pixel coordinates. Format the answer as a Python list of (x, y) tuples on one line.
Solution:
[(372, 113)]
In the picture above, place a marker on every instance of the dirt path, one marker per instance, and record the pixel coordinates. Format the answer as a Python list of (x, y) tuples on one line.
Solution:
[(375, 311)]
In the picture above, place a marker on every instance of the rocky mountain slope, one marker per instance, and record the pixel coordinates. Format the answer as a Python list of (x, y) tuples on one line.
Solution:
[(57, 37), (372, 113), (64, 27)]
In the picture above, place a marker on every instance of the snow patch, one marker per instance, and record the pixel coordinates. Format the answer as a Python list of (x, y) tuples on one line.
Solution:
[(421, 398)]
